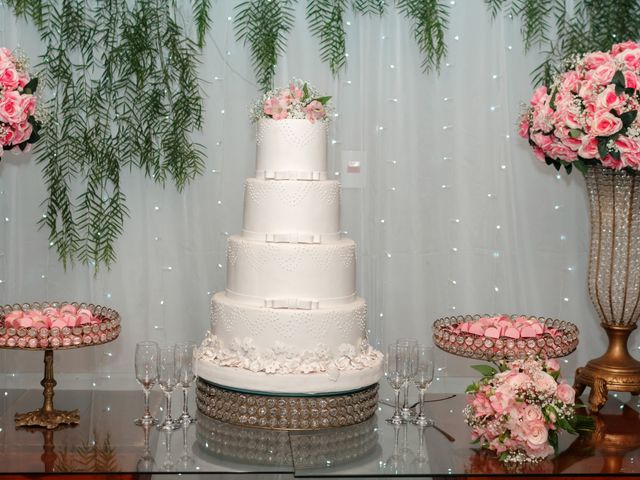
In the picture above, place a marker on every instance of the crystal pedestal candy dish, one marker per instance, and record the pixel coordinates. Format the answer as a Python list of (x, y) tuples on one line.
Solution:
[(103, 327), (559, 339)]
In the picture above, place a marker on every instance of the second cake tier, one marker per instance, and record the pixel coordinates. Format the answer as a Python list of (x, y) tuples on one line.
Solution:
[(290, 275), (291, 211)]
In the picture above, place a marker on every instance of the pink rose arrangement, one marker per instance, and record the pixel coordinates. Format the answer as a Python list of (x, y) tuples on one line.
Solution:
[(518, 409), (18, 124), (588, 115), (296, 101)]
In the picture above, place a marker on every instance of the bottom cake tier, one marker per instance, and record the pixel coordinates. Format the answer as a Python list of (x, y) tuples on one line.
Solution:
[(320, 383), (288, 412)]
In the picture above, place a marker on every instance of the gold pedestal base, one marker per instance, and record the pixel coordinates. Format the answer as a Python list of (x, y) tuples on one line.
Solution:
[(47, 416), (310, 412), (49, 420), (616, 370)]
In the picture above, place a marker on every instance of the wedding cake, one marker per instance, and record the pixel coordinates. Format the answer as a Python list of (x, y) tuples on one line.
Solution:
[(289, 321)]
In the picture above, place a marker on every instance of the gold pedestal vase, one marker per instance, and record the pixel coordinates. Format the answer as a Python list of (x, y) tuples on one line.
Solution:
[(614, 281)]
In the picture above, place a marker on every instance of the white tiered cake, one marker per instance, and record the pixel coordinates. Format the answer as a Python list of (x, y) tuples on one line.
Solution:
[(289, 321)]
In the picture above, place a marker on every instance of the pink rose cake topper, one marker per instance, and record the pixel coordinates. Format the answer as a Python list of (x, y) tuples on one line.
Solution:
[(298, 100), (588, 114), (516, 409), (19, 126)]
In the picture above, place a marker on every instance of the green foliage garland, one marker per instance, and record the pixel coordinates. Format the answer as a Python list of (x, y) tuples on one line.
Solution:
[(125, 94), (264, 24), (563, 28)]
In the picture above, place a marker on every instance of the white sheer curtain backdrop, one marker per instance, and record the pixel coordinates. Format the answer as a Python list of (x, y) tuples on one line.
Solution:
[(451, 212)]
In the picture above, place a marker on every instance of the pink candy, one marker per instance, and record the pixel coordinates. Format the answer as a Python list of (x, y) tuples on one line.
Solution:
[(52, 328), (504, 326)]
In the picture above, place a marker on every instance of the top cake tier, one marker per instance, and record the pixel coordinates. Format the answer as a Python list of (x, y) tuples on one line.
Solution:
[(291, 149)]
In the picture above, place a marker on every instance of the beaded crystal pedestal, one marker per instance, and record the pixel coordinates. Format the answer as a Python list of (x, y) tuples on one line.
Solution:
[(288, 412), (614, 280), (314, 449)]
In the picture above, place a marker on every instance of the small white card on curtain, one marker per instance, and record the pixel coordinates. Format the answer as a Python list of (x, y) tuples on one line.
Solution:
[(352, 168)]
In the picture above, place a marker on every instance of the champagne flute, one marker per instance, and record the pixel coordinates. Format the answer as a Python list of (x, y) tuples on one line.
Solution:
[(186, 376), (412, 345), (168, 379), (422, 377), (146, 366), (394, 365)]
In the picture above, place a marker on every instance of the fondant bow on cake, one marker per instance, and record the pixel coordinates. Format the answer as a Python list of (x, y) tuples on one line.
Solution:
[(297, 303), (284, 175), (292, 238)]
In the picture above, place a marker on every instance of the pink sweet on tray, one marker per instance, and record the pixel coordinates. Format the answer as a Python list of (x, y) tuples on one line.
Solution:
[(504, 326), (50, 317)]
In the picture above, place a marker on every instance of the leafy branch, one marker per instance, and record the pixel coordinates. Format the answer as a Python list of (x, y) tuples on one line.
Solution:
[(430, 20), (124, 93), (263, 25), (563, 29), (326, 22)]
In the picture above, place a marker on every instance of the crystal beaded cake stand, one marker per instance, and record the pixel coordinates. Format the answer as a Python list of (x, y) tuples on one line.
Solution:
[(466, 344), (108, 330), (283, 411)]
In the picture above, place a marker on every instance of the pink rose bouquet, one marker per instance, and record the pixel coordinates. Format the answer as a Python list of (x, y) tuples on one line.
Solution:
[(18, 124), (296, 101), (588, 115), (517, 409)]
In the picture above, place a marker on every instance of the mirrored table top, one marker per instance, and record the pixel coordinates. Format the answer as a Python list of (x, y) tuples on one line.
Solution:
[(107, 441)]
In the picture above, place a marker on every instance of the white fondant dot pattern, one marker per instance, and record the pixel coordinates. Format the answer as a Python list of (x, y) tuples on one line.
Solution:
[(293, 193), (289, 257), (345, 324), (299, 137)]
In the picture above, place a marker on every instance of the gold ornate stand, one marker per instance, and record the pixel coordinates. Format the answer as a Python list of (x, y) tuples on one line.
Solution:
[(47, 416), (286, 412), (614, 280), (616, 370)]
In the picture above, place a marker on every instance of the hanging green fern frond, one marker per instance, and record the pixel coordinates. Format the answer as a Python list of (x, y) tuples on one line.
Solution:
[(369, 7), (263, 25), (430, 19), (201, 10), (563, 29), (125, 93), (326, 23), (494, 6), (535, 21)]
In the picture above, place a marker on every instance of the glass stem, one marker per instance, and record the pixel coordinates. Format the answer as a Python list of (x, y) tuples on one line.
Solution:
[(397, 411), (405, 404), (147, 413), (185, 403), (168, 418), (421, 414)]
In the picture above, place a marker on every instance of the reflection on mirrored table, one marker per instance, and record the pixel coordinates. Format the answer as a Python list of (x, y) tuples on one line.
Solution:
[(106, 441)]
